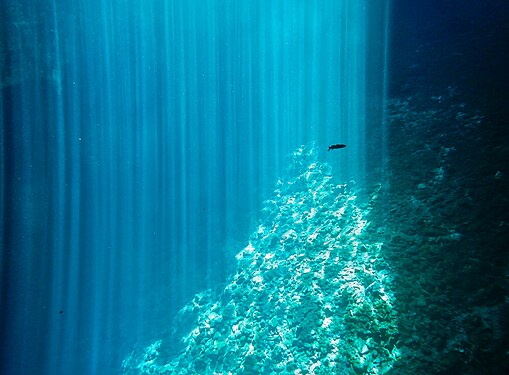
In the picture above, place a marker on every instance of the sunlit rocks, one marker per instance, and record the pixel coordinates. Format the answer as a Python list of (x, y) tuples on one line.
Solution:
[(310, 294)]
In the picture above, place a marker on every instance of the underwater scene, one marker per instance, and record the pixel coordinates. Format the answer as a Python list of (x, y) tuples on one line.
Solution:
[(249, 187)]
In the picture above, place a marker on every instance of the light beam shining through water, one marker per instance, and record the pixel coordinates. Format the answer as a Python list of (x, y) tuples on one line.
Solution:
[(139, 140)]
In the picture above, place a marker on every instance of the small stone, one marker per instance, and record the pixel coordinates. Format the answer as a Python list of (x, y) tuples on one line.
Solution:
[(421, 302)]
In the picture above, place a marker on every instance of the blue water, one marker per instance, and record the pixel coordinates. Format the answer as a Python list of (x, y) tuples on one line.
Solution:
[(139, 141), (152, 158)]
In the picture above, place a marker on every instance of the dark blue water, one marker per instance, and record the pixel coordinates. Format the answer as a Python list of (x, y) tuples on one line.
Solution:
[(140, 140)]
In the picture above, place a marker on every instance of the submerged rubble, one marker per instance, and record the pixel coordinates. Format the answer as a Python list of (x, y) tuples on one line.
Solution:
[(311, 293), (445, 236)]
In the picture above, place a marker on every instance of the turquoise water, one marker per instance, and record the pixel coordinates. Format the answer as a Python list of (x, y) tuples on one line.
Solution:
[(140, 140), (169, 203)]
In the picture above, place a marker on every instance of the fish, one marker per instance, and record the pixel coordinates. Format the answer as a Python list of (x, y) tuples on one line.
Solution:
[(334, 147)]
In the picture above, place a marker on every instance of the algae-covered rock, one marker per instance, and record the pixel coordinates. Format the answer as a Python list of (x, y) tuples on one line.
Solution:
[(310, 294)]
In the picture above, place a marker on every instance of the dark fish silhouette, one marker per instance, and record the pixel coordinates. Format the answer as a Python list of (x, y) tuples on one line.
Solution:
[(334, 147)]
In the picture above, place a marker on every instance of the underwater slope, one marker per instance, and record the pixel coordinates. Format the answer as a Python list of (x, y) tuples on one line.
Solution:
[(446, 236), (311, 293)]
